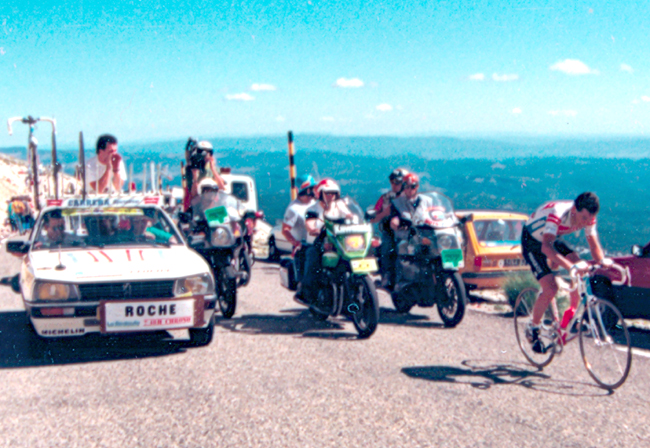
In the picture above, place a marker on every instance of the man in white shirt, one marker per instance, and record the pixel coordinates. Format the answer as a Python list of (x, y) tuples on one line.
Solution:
[(294, 227), (105, 164)]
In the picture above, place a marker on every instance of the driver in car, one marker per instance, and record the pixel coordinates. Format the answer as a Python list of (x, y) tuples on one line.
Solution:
[(54, 226)]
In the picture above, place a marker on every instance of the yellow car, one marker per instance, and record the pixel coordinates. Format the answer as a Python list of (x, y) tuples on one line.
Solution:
[(492, 247)]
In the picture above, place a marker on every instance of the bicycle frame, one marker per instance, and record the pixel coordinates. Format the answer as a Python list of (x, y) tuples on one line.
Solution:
[(563, 335)]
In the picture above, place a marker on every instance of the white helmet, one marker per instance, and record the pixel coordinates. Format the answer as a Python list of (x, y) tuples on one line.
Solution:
[(205, 145), (206, 184), (327, 186)]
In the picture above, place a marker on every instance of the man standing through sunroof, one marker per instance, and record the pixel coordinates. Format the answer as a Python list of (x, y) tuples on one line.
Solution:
[(105, 164)]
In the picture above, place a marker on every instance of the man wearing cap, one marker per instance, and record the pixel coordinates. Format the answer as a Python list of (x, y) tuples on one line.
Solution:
[(208, 169), (387, 250), (294, 227), (105, 164)]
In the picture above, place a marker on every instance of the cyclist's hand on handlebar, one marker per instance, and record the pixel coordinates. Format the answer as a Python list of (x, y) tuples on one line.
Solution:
[(580, 268)]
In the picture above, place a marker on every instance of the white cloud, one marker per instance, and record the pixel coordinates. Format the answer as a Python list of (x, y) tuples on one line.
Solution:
[(573, 67), (645, 98), (384, 107), (263, 88), (516, 110), (348, 83), (635, 101), (477, 77), (626, 68), (239, 97), (504, 78), (280, 118), (563, 113), (328, 119)]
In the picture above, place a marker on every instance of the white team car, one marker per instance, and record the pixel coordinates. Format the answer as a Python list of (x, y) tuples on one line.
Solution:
[(113, 266)]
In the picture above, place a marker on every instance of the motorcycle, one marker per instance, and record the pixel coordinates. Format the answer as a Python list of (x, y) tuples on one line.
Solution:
[(219, 236), (429, 255), (344, 285)]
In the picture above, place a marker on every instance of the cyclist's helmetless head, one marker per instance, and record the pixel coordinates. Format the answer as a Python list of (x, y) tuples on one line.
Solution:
[(587, 206)]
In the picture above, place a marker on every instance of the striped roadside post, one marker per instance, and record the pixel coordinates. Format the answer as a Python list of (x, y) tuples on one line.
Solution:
[(292, 168)]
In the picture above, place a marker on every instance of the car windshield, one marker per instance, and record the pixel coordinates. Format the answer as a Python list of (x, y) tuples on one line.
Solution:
[(344, 211), (434, 209), (498, 232), (104, 226)]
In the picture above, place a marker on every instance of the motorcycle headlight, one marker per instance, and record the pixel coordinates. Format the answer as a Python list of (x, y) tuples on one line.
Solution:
[(447, 242), (222, 237), (197, 284), (54, 291), (354, 243)]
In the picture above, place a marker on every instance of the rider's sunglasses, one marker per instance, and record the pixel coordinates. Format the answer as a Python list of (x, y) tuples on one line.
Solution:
[(395, 182), (412, 186)]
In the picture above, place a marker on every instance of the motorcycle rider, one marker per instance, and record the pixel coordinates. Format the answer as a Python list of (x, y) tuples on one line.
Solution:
[(328, 194), (207, 193), (387, 250), (294, 227)]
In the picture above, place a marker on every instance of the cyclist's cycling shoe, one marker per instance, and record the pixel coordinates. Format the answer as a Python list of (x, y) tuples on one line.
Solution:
[(539, 347), (532, 334)]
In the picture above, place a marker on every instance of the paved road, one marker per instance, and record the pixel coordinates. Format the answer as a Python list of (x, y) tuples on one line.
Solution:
[(273, 377)]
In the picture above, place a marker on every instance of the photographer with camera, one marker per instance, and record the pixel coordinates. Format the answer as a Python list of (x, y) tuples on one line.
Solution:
[(202, 165)]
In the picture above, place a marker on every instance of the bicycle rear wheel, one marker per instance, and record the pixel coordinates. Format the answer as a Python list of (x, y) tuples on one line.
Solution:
[(605, 344), (523, 311)]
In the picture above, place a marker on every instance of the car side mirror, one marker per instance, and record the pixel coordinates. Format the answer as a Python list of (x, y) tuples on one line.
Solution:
[(636, 250), (13, 282), (370, 214), (18, 248)]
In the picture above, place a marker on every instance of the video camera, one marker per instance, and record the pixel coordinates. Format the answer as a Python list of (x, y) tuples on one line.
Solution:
[(195, 155)]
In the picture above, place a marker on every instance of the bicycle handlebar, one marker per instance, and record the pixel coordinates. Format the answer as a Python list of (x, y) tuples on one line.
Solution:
[(606, 263), (30, 120)]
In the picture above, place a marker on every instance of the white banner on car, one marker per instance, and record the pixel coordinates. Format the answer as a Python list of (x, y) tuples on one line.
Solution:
[(148, 315)]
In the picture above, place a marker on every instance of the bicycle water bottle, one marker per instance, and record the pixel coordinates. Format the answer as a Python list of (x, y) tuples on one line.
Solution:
[(566, 318)]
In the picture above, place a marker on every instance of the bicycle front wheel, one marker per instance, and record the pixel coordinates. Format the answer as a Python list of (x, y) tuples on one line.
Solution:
[(523, 311), (605, 344)]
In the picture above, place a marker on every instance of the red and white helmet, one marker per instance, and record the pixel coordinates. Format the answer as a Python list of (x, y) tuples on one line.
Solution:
[(327, 185)]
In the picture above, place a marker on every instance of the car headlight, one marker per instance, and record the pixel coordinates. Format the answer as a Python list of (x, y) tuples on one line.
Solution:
[(221, 237), (195, 285), (54, 291), (447, 242), (354, 243)]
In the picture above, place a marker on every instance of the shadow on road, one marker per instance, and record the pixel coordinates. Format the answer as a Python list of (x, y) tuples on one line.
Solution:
[(484, 374), (295, 321), (389, 316), (20, 347)]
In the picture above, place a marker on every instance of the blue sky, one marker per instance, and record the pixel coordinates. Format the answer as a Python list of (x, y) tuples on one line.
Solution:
[(148, 70)]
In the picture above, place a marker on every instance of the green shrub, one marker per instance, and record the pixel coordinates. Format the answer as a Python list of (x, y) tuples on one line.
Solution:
[(518, 282)]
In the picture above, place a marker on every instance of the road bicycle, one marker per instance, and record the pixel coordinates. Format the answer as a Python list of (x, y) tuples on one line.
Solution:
[(597, 323)]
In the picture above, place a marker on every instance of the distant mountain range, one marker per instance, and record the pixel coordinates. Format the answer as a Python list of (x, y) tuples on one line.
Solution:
[(489, 174)]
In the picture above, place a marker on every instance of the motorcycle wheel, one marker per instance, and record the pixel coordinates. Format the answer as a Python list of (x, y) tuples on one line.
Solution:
[(226, 294), (401, 302), (451, 299), (324, 296), (367, 317), (201, 336), (274, 254), (245, 265)]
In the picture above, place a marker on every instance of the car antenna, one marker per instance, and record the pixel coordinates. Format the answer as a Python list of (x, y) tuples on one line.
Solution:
[(60, 266)]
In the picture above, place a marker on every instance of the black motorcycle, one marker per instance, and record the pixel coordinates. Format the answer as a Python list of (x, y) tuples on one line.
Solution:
[(429, 254), (219, 234)]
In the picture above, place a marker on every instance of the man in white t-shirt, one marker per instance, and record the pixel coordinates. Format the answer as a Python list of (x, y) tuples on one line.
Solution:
[(294, 227), (105, 164)]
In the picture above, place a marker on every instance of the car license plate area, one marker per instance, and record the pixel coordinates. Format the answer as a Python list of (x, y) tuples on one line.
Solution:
[(364, 265), (452, 258), (513, 262), (146, 315)]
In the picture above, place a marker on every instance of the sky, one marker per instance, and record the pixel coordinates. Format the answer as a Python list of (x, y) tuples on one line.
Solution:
[(156, 70)]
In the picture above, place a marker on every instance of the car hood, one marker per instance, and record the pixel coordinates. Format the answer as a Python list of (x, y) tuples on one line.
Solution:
[(97, 265)]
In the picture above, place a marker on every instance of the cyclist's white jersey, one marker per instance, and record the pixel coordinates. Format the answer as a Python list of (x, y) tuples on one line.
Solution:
[(554, 218)]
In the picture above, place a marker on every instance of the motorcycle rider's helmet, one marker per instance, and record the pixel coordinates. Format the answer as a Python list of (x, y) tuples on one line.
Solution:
[(304, 183), (207, 184), (327, 185), (205, 145), (411, 179), (398, 175)]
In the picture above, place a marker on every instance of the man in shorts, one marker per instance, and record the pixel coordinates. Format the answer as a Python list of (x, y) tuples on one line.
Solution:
[(543, 250)]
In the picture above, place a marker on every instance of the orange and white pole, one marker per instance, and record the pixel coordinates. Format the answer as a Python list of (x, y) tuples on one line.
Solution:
[(292, 168)]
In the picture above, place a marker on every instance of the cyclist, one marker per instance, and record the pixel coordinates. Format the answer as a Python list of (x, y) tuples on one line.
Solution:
[(387, 252), (543, 249), (294, 227)]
